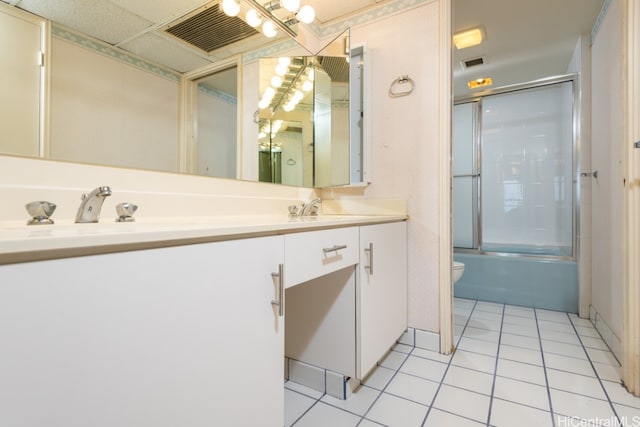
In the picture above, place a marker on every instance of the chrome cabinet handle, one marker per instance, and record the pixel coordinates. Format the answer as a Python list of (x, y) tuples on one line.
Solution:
[(335, 248), (280, 301), (369, 250)]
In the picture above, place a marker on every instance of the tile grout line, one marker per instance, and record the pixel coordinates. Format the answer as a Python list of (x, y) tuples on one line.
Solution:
[(595, 371), (495, 368), (435, 395), (544, 368)]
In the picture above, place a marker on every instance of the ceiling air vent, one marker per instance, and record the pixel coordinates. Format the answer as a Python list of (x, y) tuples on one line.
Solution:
[(336, 66), (468, 63), (210, 29)]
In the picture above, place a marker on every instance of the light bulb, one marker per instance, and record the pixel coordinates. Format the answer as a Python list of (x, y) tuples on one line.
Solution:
[(307, 85), (306, 14), (284, 60), (276, 81), (281, 69), (288, 107), (269, 29), (264, 103), (290, 5), (311, 74), (230, 7), (269, 92), (253, 18)]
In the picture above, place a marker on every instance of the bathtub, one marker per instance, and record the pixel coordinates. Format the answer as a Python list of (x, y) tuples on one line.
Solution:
[(545, 283)]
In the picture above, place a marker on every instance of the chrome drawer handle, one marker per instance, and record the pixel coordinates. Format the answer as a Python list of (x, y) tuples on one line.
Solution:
[(335, 248), (369, 250), (280, 301)]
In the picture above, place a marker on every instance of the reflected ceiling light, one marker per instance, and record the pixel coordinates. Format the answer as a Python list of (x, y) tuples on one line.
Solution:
[(468, 38), (231, 7), (485, 81), (269, 29), (291, 5), (307, 85), (276, 81), (281, 69), (253, 18), (306, 14)]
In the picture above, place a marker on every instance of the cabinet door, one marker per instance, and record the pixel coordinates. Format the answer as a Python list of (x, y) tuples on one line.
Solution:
[(183, 336), (382, 290)]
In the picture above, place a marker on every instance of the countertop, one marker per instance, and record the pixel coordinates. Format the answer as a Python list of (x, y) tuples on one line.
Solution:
[(22, 243)]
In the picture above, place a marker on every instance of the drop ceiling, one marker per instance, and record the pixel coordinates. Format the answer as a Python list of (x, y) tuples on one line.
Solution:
[(526, 39)]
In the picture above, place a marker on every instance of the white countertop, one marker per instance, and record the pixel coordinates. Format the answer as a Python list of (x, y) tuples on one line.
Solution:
[(21, 243)]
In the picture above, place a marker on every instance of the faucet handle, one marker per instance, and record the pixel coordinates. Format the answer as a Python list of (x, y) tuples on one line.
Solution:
[(40, 212), (125, 212), (293, 210)]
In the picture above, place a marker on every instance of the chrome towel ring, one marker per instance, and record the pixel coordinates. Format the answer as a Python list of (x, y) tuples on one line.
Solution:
[(403, 80)]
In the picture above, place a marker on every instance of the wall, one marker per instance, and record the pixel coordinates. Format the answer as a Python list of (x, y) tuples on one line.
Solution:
[(132, 120), (217, 130), (405, 142), (607, 125)]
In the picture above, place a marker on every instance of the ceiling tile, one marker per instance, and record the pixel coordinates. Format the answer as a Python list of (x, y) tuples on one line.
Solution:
[(160, 11), (97, 18), (165, 52)]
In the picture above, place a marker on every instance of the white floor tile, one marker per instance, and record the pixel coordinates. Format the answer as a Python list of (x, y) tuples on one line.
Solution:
[(463, 402), (532, 343), (379, 377), (402, 348), (513, 310), (469, 379), (602, 356), (428, 354), (476, 361), (591, 342), (574, 383), (321, 415), (554, 316), (527, 331), (486, 315), (587, 331), (394, 411), (629, 416), (368, 423), (607, 372), (438, 418), (478, 346), (509, 414), (295, 405), (492, 307), (568, 364), (520, 354), (575, 405), (359, 402), (563, 349), (550, 335), (393, 360), (521, 372), (413, 388), (481, 334), (565, 328), (315, 394), (522, 393), (424, 368), (491, 325), (528, 322), (618, 394)]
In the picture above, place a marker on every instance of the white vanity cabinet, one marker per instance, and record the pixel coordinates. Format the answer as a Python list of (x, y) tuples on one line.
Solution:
[(180, 336), (382, 300)]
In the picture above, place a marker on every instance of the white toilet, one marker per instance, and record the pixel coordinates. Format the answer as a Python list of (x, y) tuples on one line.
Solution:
[(458, 271)]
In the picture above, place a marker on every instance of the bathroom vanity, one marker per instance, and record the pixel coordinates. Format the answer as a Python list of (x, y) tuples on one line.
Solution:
[(190, 330)]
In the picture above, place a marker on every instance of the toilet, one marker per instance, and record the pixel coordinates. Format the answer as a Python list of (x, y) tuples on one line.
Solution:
[(458, 271)]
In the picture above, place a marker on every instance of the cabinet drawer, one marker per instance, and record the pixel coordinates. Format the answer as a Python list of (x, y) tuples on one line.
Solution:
[(315, 253)]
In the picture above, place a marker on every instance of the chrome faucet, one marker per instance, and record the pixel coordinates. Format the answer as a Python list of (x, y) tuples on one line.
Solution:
[(89, 210), (310, 208)]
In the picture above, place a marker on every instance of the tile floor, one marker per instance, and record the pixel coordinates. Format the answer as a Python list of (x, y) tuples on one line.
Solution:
[(513, 366)]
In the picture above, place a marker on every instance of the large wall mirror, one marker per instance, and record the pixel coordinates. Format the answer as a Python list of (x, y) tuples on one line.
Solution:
[(129, 107)]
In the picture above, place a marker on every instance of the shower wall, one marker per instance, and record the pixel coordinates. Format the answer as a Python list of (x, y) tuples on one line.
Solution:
[(513, 194)]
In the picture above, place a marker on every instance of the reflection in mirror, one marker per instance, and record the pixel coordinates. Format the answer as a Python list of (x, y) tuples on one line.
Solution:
[(216, 135), (312, 91)]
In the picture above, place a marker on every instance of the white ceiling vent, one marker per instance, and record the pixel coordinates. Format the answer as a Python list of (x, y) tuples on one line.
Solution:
[(210, 29)]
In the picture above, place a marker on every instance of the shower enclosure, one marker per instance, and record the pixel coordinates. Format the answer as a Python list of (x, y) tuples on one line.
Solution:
[(514, 194)]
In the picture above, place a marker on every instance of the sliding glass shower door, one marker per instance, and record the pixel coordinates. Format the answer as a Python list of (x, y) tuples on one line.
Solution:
[(513, 189)]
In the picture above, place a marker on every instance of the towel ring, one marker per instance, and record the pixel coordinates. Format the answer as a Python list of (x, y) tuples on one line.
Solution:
[(401, 81)]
